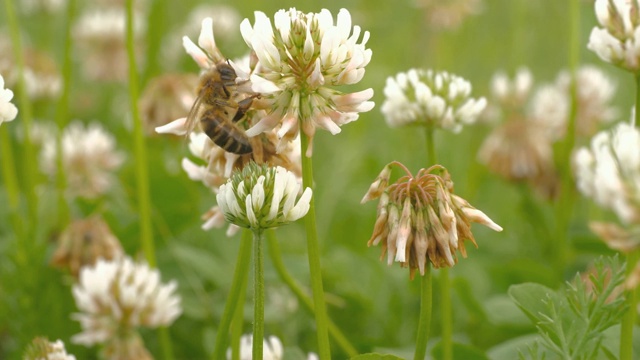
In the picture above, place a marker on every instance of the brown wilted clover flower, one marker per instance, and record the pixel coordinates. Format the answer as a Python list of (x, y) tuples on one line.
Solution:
[(166, 98), (420, 218), (85, 241)]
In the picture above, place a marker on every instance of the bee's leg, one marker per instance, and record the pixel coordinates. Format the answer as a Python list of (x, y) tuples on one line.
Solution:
[(243, 107)]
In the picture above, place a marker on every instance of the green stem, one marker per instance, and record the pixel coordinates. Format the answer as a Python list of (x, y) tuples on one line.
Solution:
[(239, 281), (447, 312), (142, 175), (629, 318), (62, 114), (258, 294), (278, 264), (237, 324), (11, 187), (424, 322), (566, 198), (140, 151), (445, 282), (24, 108), (324, 350)]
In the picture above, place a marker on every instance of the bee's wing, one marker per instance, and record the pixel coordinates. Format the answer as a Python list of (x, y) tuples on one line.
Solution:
[(194, 112)]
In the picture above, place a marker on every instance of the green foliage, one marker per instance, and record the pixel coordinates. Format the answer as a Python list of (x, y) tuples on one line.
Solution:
[(572, 322)]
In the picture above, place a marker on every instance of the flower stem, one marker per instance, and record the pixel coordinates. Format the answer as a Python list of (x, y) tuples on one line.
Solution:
[(24, 108), (10, 181), (258, 293), (424, 322), (142, 173), (566, 198), (445, 282), (140, 151), (239, 281), (324, 350), (62, 114), (238, 321), (629, 317), (278, 264)]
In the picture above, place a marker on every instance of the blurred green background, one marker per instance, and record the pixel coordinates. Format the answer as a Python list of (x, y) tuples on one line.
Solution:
[(375, 305)]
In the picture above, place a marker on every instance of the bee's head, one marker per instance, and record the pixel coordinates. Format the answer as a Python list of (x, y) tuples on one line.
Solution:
[(227, 73)]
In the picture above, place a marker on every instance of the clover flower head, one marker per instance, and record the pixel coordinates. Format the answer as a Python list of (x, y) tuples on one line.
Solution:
[(448, 14), (100, 36), (43, 349), (609, 171), (261, 197), (300, 58), (8, 111), (420, 220), (512, 93), (617, 41), (88, 156), (85, 241), (426, 97), (550, 106), (272, 348), (166, 98), (117, 297)]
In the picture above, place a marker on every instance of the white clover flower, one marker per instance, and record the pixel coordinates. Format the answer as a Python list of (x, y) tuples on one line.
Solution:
[(89, 158), (513, 93), (100, 36), (117, 297), (8, 111), (431, 98), (300, 58), (260, 197), (618, 40), (448, 14), (420, 220), (272, 348), (550, 106), (43, 349), (609, 171)]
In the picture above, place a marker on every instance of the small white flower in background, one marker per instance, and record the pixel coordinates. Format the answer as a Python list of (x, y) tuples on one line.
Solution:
[(45, 6), (43, 349), (618, 40), (448, 14), (100, 37), (89, 157), (302, 56), (272, 348), (426, 97), (609, 171), (513, 93), (550, 106), (117, 297), (8, 111), (261, 197)]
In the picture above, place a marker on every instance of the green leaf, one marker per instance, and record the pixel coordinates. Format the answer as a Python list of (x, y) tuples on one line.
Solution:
[(460, 352), (201, 262), (502, 311), (373, 356), (511, 348), (529, 298)]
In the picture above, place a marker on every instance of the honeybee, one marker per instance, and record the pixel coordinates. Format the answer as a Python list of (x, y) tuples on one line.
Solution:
[(211, 108)]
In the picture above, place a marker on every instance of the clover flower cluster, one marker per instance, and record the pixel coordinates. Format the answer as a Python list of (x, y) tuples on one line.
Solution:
[(426, 97), (43, 349), (301, 57), (609, 171), (8, 111), (261, 197), (117, 297), (88, 158), (420, 220), (83, 242), (617, 41), (520, 148)]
